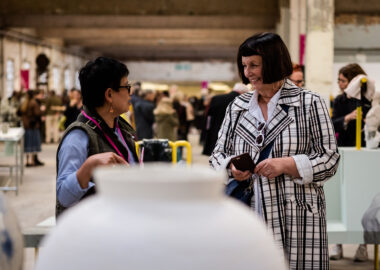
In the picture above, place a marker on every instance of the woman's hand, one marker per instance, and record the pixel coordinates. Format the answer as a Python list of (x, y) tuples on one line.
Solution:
[(239, 175), (84, 173), (273, 167), (351, 116)]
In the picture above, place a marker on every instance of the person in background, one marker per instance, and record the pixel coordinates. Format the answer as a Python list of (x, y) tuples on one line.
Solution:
[(9, 109), (293, 127), (40, 98), (53, 104), (198, 112), (344, 118), (344, 107), (189, 113), (31, 113), (215, 115), (182, 117), (144, 117), (297, 75), (65, 97), (166, 120), (135, 97), (99, 136), (74, 108)]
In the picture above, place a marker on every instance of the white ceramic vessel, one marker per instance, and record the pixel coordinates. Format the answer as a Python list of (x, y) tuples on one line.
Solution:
[(11, 242), (159, 217)]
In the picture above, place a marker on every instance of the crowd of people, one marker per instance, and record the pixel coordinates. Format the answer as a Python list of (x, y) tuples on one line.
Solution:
[(153, 114), (40, 113)]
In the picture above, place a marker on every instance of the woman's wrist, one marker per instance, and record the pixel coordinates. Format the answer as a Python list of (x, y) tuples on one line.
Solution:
[(84, 173), (289, 167)]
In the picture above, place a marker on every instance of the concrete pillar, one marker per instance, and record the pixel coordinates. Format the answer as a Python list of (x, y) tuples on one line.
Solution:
[(320, 46), (282, 27), (297, 29), (2, 66)]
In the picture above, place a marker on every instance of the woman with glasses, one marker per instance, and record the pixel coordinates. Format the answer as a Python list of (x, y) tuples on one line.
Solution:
[(344, 107), (98, 136), (292, 126)]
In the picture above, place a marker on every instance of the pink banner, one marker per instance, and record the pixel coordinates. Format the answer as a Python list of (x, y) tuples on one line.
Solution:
[(302, 48), (24, 78)]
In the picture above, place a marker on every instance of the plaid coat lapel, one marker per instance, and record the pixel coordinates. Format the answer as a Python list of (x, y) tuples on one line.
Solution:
[(290, 96), (277, 124), (246, 128)]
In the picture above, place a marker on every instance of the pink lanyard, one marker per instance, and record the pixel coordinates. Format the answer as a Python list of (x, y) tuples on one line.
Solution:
[(105, 135), (125, 143)]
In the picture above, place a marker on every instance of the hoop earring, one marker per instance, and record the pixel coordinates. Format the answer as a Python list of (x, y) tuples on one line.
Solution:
[(111, 109)]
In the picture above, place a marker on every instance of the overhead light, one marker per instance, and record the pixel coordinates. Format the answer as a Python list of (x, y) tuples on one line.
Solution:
[(219, 87), (154, 86)]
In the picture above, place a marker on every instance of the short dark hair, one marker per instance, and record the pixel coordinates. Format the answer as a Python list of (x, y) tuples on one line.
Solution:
[(277, 64), (97, 76), (297, 67), (350, 71)]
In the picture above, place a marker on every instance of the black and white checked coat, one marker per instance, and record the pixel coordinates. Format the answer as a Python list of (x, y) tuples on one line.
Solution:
[(293, 209)]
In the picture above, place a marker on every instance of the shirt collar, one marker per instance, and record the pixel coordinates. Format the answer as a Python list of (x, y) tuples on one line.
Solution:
[(254, 107), (288, 95)]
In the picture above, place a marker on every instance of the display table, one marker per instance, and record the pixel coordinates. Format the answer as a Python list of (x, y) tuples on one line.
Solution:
[(350, 192), (15, 138)]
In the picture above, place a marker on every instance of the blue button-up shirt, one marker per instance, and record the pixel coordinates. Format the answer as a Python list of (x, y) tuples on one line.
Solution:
[(72, 154)]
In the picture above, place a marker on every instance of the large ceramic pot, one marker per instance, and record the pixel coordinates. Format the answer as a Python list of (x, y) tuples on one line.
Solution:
[(11, 242), (160, 217)]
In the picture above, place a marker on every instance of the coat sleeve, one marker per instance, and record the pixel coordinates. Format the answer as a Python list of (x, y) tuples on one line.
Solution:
[(324, 156), (220, 157)]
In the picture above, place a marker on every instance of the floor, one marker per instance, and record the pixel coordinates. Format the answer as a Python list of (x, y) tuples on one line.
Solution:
[(36, 202)]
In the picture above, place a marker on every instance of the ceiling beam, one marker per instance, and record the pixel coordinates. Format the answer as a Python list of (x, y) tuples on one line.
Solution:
[(157, 42), (139, 7), (123, 33), (168, 53), (112, 21)]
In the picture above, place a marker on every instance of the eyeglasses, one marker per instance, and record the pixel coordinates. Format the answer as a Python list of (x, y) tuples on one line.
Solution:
[(128, 87), (260, 137)]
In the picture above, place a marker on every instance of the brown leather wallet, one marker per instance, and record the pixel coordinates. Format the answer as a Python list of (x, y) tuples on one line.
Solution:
[(243, 162)]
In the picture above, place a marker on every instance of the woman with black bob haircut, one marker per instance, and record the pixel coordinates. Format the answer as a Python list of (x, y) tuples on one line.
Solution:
[(288, 133), (276, 62), (98, 136)]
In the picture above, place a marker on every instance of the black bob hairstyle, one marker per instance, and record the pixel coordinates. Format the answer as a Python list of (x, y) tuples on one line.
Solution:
[(277, 64), (99, 75)]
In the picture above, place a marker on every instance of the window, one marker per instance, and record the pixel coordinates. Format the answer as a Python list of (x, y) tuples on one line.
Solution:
[(56, 79), (10, 75), (77, 83), (67, 79)]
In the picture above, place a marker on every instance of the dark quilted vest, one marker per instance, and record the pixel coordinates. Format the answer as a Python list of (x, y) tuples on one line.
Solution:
[(97, 144)]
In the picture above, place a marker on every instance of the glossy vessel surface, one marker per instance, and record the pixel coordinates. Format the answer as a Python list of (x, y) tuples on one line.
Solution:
[(159, 217)]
